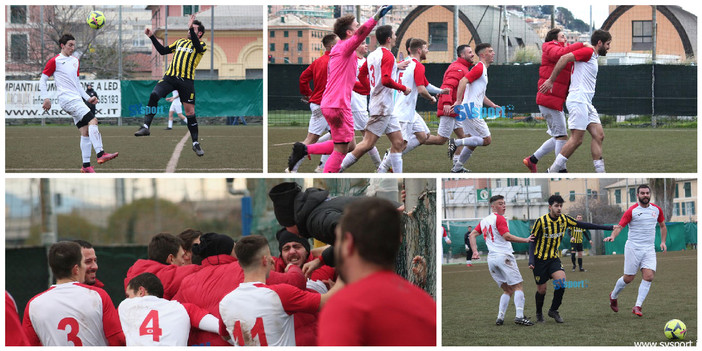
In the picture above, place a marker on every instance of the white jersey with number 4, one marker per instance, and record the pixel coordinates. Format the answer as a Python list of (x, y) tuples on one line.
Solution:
[(493, 227), (152, 321), (260, 314)]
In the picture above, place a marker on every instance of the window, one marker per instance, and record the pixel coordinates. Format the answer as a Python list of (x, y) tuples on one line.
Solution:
[(272, 34), (285, 33), (677, 195), (572, 196), (641, 35), (498, 183), (271, 59), (272, 47), (286, 59), (632, 195), (688, 189), (438, 36), (692, 208), (286, 47), (299, 34), (677, 208), (299, 46), (299, 60), (190, 9), (18, 14), (19, 47), (520, 42), (618, 196)]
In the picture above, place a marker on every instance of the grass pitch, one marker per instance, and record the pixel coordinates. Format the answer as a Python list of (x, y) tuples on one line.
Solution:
[(30, 149), (626, 150), (470, 300)]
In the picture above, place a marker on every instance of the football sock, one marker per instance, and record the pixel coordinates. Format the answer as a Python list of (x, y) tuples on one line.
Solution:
[(580, 263), (170, 123), (384, 166), (643, 291), (192, 127), (396, 161), (348, 161), (324, 148), (411, 144), (533, 159), (572, 258), (618, 287), (545, 148), (324, 137), (455, 158), (519, 303), (469, 262), (539, 302), (599, 166), (557, 299), (504, 303), (470, 141), (558, 164), (559, 145), (85, 150), (375, 156), (95, 137), (323, 160), (334, 162), (463, 158)]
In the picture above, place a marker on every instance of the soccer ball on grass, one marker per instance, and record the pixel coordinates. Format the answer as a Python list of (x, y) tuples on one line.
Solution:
[(675, 329), (96, 19)]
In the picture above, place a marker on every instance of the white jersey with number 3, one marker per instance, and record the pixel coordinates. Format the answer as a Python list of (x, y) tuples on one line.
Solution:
[(152, 321), (493, 227), (381, 97)]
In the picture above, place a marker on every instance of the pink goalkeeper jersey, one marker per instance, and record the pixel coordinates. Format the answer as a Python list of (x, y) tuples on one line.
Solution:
[(341, 72)]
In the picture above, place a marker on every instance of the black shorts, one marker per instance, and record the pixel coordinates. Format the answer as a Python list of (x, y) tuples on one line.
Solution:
[(544, 268), (185, 87), (576, 247)]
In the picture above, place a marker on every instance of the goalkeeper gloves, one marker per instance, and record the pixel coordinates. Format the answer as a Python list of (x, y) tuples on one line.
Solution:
[(382, 12)]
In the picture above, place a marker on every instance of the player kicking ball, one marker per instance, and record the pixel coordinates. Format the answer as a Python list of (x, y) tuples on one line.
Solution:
[(65, 69)]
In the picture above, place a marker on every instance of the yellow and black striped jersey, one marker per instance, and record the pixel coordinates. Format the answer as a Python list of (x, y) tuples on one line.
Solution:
[(185, 58), (577, 234), (548, 233)]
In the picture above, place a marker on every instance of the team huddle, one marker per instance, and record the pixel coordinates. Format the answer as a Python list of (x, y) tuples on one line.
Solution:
[(340, 106), (207, 289), (544, 253)]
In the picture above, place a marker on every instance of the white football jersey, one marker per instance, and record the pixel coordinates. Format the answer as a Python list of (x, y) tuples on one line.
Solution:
[(152, 321), (381, 97), (65, 70), (359, 102), (492, 228), (584, 76), (642, 225), (72, 314), (475, 91), (260, 314), (406, 105)]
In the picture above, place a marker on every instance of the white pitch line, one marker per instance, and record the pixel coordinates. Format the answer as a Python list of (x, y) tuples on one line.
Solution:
[(173, 162), (283, 144)]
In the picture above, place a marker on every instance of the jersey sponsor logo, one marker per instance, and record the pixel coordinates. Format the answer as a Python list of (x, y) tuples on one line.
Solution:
[(188, 50), (554, 235)]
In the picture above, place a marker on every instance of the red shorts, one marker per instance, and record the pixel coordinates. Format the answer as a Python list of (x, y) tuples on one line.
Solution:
[(340, 122)]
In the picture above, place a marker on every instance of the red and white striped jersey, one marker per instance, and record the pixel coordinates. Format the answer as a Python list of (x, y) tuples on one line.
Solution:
[(260, 314), (642, 225), (65, 70), (493, 227)]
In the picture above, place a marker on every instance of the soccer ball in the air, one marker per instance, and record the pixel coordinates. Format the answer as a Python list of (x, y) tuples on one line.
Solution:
[(96, 19), (675, 329)]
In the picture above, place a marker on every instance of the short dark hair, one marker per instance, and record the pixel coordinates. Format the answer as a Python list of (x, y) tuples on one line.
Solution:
[(149, 281), (200, 27), (642, 186), (188, 236), (416, 44), (83, 244), (552, 35), (495, 198), (600, 35), (343, 24), (555, 199), (374, 224), (63, 256), (481, 46), (328, 39), (247, 249), (460, 48), (65, 39), (162, 245), (407, 44), (383, 33)]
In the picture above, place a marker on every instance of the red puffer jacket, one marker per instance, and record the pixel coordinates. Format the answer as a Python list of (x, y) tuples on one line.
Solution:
[(171, 276), (550, 53), (219, 276), (455, 71)]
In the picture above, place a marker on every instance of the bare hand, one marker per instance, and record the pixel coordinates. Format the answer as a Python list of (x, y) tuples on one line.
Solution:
[(310, 267), (663, 247), (402, 65), (531, 266), (287, 267), (46, 105), (447, 110), (93, 100), (609, 238), (170, 99), (476, 255), (530, 238), (547, 86), (588, 45), (448, 241), (148, 32), (191, 20), (433, 100), (445, 91), (329, 283), (407, 91)]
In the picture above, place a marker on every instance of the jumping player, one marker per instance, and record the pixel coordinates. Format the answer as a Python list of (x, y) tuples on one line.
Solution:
[(179, 76), (639, 251), (176, 107), (582, 114), (71, 97), (501, 262)]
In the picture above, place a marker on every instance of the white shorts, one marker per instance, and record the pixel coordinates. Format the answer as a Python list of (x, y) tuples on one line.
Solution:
[(75, 107), (476, 127), (555, 120), (447, 125), (380, 125), (504, 269), (318, 124), (581, 114), (360, 119), (635, 259), (176, 106), (416, 126)]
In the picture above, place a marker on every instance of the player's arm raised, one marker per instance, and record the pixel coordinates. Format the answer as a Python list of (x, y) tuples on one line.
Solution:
[(562, 62), (157, 44)]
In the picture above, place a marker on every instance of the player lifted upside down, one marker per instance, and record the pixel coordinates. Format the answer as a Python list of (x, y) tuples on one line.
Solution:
[(65, 68), (179, 76)]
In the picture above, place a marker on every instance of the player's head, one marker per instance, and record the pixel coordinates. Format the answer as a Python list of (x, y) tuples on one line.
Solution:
[(369, 232), (643, 193), (199, 28), (283, 197), (214, 244), (579, 217), (67, 43), (385, 36), (293, 248), (362, 49), (90, 262), (465, 52), (329, 41), (555, 205), (497, 203), (66, 260), (345, 26), (254, 254), (144, 284), (555, 34), (190, 237), (485, 52), (166, 248), (419, 47), (601, 39)]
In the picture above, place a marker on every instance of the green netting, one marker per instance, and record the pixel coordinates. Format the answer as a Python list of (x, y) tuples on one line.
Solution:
[(691, 233), (457, 231), (675, 240)]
